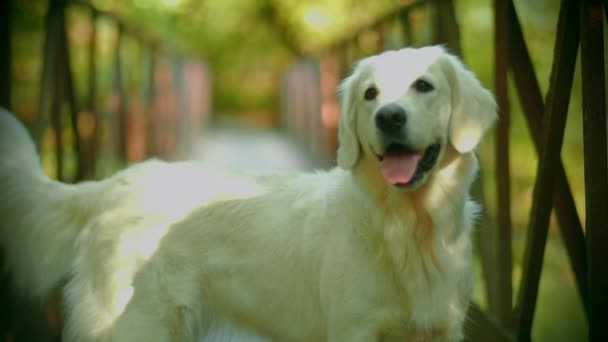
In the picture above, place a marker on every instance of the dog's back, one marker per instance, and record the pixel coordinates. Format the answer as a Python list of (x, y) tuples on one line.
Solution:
[(93, 236)]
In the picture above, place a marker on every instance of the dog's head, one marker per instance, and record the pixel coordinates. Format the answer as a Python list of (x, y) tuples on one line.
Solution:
[(402, 109)]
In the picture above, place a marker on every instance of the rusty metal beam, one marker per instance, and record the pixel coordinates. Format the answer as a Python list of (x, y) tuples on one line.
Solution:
[(120, 105), (92, 140), (554, 124), (6, 303), (70, 93), (57, 124), (505, 262), (596, 163), (149, 101), (51, 43), (406, 26), (5, 53), (51, 92), (532, 102), (447, 30)]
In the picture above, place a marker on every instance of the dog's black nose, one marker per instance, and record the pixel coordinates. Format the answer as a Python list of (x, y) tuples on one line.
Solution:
[(390, 118)]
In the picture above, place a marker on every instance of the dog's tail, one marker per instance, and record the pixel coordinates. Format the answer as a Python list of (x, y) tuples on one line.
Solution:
[(37, 231)]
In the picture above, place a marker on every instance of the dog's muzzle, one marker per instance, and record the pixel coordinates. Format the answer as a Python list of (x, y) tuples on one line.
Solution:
[(403, 167)]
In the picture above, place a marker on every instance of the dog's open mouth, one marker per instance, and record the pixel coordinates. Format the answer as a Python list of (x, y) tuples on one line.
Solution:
[(403, 166)]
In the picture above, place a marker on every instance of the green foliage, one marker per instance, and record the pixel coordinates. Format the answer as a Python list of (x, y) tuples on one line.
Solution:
[(249, 43)]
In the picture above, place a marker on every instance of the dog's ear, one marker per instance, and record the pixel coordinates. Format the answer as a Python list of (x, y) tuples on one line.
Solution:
[(348, 150), (473, 106)]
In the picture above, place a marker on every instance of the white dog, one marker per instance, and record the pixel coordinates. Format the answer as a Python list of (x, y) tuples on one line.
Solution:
[(376, 250)]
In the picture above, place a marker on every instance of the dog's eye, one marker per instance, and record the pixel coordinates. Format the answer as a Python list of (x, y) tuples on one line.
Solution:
[(423, 86), (370, 93)]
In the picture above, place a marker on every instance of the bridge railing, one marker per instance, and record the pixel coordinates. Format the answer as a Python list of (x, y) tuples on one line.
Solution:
[(155, 102), (310, 112)]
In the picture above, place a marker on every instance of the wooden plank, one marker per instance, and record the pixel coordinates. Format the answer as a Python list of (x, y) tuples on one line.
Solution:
[(379, 31), (70, 92), (49, 72), (554, 124), (596, 164), (406, 26), (447, 30), (120, 105), (6, 302), (181, 118), (481, 327), (5, 101), (141, 34), (92, 140), (531, 98), (149, 100), (505, 290), (51, 98), (5, 54), (136, 112), (57, 124), (345, 63)]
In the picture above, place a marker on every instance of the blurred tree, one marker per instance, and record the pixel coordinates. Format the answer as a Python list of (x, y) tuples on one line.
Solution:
[(229, 34)]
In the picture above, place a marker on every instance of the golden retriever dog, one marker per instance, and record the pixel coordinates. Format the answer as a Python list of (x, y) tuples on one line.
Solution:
[(377, 249)]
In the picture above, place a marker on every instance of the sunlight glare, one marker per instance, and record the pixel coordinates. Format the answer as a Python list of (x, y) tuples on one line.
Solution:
[(468, 139), (123, 299), (316, 17), (172, 3), (397, 70)]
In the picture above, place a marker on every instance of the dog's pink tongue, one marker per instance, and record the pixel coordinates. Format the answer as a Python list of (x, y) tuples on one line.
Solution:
[(399, 169)]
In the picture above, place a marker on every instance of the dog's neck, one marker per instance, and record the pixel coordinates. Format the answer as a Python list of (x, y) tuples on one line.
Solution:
[(447, 184), (425, 231), (430, 213)]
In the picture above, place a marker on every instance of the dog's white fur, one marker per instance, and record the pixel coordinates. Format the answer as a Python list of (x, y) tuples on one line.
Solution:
[(163, 252)]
